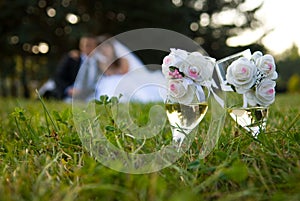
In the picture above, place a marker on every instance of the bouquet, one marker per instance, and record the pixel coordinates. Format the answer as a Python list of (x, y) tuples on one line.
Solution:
[(254, 79), (186, 74)]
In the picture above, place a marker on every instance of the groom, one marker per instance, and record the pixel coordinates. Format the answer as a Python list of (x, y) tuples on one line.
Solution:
[(69, 66)]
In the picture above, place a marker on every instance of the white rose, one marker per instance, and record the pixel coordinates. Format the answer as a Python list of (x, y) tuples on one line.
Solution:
[(176, 88), (199, 67), (181, 57), (179, 54), (176, 58), (266, 65), (179, 92), (256, 55), (168, 61), (265, 92), (241, 74), (251, 98)]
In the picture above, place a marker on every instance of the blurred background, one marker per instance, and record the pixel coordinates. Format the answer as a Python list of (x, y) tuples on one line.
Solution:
[(35, 34)]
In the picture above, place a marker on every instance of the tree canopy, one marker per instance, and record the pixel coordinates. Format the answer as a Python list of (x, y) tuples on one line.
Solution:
[(45, 29)]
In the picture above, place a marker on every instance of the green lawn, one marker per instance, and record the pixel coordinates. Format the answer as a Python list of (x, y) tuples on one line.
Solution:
[(42, 158)]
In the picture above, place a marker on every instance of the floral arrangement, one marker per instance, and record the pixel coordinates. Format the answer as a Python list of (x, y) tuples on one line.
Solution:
[(186, 74), (254, 79)]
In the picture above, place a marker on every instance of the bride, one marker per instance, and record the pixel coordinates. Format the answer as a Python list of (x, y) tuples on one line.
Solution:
[(119, 73)]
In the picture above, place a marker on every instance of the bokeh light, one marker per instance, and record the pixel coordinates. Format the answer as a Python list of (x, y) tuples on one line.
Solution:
[(35, 49), (198, 5), (42, 3), (72, 18), (204, 19), (51, 12), (177, 3), (14, 40), (194, 26), (43, 47)]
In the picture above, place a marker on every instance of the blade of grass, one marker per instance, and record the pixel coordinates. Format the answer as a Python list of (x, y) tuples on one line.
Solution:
[(47, 111), (293, 122)]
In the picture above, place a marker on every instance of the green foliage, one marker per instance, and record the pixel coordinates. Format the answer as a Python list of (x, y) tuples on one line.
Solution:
[(25, 24), (110, 115), (294, 84), (42, 158), (288, 66)]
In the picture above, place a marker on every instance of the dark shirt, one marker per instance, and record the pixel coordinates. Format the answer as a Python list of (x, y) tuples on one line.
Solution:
[(65, 75)]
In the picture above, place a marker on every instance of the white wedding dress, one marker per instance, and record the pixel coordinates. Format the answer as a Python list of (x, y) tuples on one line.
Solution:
[(139, 84)]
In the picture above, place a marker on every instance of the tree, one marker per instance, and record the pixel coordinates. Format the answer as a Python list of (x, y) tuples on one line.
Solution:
[(288, 66), (198, 19), (293, 84), (58, 24)]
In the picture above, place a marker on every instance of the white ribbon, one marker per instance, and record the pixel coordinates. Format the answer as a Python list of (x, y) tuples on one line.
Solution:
[(245, 101), (210, 84)]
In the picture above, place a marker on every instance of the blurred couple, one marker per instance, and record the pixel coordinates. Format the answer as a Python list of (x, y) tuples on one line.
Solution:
[(103, 66)]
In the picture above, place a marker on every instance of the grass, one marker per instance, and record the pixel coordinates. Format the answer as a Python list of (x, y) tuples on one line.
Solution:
[(42, 158)]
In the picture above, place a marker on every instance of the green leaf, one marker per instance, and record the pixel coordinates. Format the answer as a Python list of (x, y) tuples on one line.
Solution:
[(114, 100), (194, 165), (238, 172), (56, 116), (221, 155), (98, 102), (65, 115), (104, 99), (173, 68), (110, 128), (19, 113)]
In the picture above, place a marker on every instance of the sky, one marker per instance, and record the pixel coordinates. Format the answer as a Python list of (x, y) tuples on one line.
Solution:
[(282, 17)]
